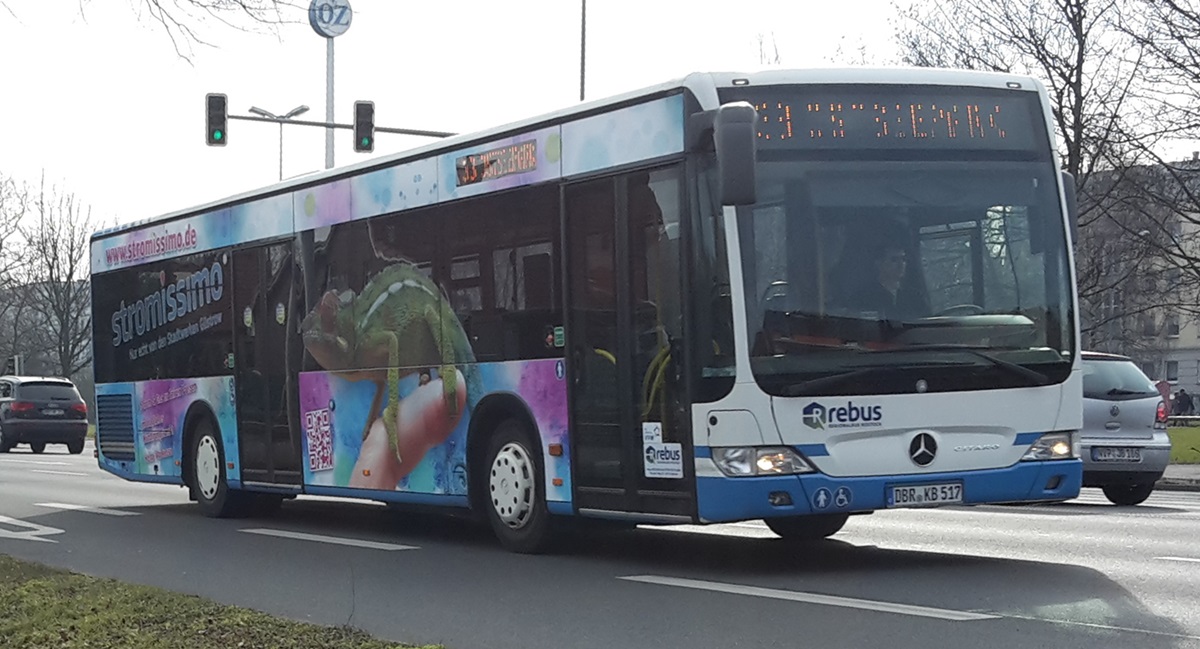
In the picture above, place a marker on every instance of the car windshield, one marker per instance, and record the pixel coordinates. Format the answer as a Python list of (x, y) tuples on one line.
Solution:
[(48, 392), (1104, 379), (894, 263)]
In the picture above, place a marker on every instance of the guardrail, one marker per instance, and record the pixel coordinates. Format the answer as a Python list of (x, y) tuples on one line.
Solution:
[(1183, 420)]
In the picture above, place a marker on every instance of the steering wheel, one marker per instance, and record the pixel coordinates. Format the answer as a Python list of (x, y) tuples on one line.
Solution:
[(962, 309)]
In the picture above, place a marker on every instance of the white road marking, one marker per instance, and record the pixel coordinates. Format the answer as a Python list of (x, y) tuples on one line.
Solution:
[(814, 598), (336, 540), (35, 532), (85, 508), (49, 472), (41, 462), (1188, 559)]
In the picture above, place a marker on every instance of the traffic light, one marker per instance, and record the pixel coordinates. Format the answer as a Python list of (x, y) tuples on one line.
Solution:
[(216, 106), (364, 126)]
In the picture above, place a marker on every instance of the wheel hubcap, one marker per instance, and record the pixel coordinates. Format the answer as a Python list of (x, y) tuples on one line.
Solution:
[(511, 484), (208, 467)]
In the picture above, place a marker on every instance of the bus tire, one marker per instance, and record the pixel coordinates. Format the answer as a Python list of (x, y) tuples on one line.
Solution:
[(213, 495), (37, 447), (515, 490), (802, 529)]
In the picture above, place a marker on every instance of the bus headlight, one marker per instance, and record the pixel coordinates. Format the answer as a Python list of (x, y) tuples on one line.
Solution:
[(1054, 446), (741, 461)]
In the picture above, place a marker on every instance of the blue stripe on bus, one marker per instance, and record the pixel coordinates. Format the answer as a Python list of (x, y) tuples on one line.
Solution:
[(389, 496), (721, 499), (140, 477), (812, 450), (560, 508), (1024, 439)]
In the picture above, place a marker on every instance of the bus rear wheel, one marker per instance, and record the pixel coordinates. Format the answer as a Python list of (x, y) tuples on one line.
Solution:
[(807, 528), (209, 485), (515, 497)]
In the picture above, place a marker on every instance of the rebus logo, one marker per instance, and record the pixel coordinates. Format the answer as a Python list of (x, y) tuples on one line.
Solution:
[(814, 416), (817, 416), (655, 454)]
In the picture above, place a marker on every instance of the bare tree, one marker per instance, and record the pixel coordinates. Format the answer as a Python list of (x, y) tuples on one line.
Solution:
[(768, 49), (57, 234), (1094, 72), (14, 326), (185, 21)]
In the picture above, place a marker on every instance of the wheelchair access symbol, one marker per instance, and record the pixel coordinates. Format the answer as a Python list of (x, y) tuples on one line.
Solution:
[(823, 498)]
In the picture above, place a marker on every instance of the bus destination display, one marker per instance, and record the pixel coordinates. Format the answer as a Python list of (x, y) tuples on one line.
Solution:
[(875, 118), (496, 163)]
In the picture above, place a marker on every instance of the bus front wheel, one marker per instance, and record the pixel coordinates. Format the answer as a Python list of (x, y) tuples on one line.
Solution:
[(209, 485), (807, 528), (515, 496)]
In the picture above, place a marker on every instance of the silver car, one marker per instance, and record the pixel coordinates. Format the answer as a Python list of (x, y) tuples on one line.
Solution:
[(1124, 442)]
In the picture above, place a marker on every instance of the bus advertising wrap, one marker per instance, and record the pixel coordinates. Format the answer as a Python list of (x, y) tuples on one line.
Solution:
[(346, 442), (160, 410)]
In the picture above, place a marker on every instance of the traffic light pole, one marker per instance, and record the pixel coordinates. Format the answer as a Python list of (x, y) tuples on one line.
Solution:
[(332, 125)]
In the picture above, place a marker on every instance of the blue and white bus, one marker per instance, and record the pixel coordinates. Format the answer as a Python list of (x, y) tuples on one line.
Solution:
[(792, 296)]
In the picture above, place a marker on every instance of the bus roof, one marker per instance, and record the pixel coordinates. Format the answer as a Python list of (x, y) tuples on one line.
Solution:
[(702, 84)]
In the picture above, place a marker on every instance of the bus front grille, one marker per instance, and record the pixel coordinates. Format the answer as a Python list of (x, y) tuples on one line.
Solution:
[(114, 426)]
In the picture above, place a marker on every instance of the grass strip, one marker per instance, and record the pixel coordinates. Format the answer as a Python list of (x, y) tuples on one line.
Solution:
[(45, 607), (1185, 445)]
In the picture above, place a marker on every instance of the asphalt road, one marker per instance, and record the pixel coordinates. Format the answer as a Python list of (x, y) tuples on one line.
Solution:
[(1082, 574)]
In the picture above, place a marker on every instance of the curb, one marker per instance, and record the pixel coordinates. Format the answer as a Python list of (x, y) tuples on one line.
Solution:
[(1176, 485)]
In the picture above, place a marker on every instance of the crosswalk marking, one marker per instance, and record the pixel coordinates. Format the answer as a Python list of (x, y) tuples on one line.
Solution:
[(86, 508)]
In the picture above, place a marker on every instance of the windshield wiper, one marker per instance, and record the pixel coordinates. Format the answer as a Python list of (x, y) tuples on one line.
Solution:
[(815, 386), (1123, 392), (1033, 376)]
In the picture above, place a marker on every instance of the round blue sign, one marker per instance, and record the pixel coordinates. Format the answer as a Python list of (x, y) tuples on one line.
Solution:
[(330, 18)]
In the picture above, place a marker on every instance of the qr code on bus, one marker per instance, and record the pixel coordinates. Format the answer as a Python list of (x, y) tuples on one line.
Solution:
[(320, 440)]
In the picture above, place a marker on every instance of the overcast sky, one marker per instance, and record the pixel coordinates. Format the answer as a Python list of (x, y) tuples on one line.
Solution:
[(101, 102)]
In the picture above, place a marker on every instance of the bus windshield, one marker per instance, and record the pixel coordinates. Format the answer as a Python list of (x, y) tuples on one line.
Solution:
[(878, 268)]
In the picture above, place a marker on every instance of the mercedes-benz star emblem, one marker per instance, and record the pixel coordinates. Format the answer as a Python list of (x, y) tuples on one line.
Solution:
[(1114, 411), (922, 449)]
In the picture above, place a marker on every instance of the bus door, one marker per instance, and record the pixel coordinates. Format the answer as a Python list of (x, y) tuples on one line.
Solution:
[(264, 317), (629, 434)]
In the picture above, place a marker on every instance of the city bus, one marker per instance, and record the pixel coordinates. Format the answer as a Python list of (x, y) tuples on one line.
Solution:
[(788, 296)]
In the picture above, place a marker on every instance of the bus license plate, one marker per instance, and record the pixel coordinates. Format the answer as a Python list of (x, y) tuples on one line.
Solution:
[(1116, 454), (925, 495)]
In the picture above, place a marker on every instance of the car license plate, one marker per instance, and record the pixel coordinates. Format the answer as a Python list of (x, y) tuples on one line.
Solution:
[(924, 495), (52, 412), (1116, 454)]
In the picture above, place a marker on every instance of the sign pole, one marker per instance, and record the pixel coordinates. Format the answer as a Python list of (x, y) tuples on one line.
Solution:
[(329, 19), (329, 102)]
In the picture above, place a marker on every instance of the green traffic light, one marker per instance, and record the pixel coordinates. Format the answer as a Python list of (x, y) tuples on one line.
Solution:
[(366, 141), (218, 135)]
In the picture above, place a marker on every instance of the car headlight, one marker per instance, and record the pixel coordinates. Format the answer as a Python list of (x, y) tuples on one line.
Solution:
[(741, 461), (1054, 446)]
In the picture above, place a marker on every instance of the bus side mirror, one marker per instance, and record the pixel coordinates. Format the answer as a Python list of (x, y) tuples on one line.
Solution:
[(736, 142), (1068, 182)]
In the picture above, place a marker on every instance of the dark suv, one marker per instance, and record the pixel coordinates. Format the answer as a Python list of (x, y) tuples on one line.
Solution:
[(40, 410)]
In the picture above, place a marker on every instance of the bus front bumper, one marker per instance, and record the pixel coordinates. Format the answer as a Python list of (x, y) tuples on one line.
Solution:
[(723, 499)]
